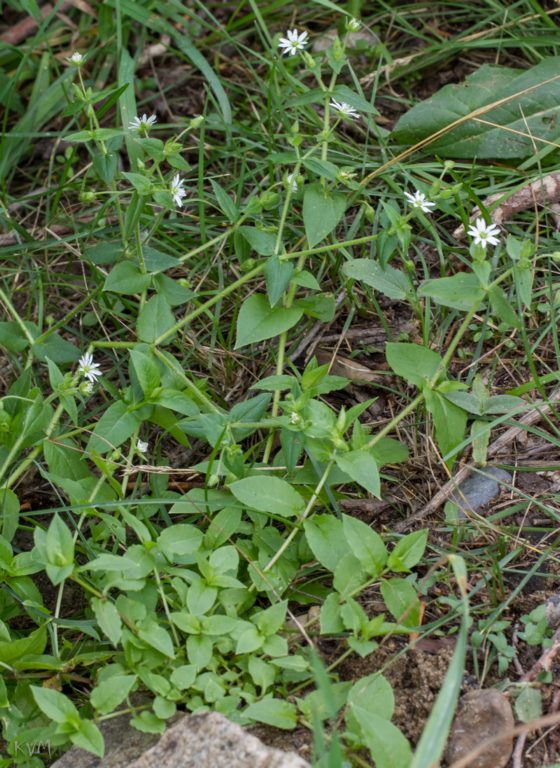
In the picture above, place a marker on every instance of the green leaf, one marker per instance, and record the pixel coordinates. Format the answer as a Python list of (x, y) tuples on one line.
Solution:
[(268, 494), (115, 426), (180, 539), (184, 676), (387, 280), (461, 291), (157, 637), (362, 468), (275, 712), (155, 319), (225, 202), (108, 619), (528, 705), (414, 363), (502, 307), (258, 321), (373, 693), (365, 544), (528, 116), (325, 536), (387, 745), (141, 184), (9, 513), (89, 737), (402, 601), (321, 306), (59, 548), (272, 619), (55, 348), (277, 274), (408, 551), (449, 422), (55, 705), (126, 278), (146, 370), (107, 696), (158, 261), (322, 211), (261, 242), (32, 645)]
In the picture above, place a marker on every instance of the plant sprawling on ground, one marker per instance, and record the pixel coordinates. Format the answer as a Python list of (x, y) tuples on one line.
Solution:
[(193, 497)]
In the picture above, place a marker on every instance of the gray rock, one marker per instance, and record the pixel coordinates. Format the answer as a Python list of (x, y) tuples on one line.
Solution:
[(478, 490), (206, 740), (483, 714)]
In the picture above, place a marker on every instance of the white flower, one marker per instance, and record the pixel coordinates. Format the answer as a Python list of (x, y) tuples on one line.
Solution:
[(76, 58), (142, 122), (141, 446), (419, 200), (344, 109), (88, 368), (295, 418), (291, 180), (353, 25), (293, 42), (177, 190), (483, 233)]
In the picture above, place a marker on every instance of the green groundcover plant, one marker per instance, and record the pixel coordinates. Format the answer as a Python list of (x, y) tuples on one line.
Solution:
[(195, 599)]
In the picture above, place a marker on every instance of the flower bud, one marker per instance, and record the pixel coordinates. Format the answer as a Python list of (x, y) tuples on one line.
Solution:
[(196, 122)]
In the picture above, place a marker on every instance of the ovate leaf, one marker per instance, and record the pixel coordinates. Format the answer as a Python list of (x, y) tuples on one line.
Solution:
[(258, 321), (321, 212), (506, 131)]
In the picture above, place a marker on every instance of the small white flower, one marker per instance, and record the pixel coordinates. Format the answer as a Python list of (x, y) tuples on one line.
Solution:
[(353, 25), (291, 180), (483, 233), (142, 447), (419, 200), (86, 387), (293, 42), (88, 368), (344, 109), (76, 58), (295, 418), (177, 190), (142, 122)]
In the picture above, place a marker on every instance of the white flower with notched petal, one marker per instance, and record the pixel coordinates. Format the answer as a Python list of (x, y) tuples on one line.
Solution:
[(344, 109), (419, 200), (88, 368), (177, 190), (293, 42), (145, 122), (142, 447), (483, 233), (76, 58), (353, 25)]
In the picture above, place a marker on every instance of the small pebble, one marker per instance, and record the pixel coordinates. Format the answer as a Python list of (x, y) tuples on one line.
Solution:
[(482, 715), (478, 490)]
